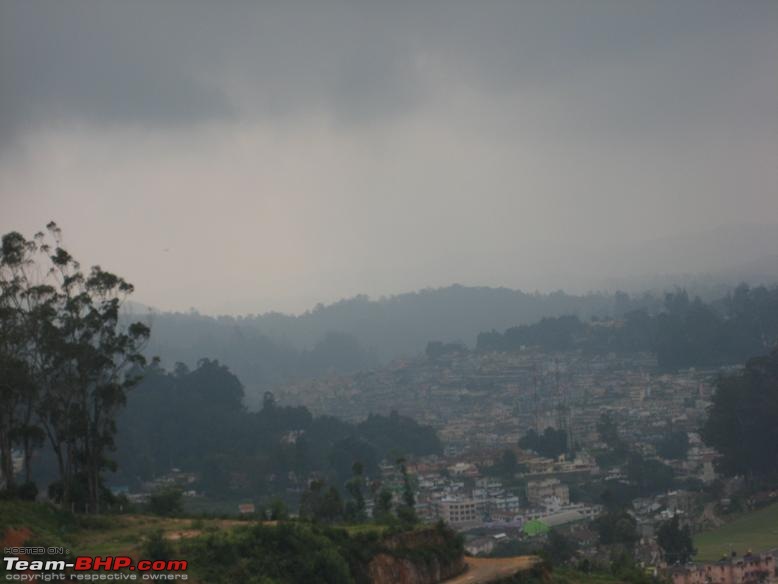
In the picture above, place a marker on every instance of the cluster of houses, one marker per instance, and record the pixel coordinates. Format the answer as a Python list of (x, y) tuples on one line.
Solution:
[(461, 496), (491, 399), (175, 478), (747, 569)]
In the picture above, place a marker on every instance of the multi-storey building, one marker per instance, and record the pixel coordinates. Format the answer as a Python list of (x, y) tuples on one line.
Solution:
[(540, 493)]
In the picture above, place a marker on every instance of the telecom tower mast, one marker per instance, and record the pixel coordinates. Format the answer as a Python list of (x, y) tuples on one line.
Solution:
[(536, 399), (564, 420)]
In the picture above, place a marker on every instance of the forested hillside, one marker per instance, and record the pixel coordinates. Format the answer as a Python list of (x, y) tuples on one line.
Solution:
[(195, 420), (359, 333), (684, 333)]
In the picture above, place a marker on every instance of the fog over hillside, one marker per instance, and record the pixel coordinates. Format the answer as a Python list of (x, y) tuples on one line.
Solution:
[(372, 330), (361, 333)]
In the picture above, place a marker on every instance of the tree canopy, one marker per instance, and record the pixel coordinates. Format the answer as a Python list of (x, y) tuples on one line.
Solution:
[(683, 333), (69, 361), (741, 424), (195, 420), (675, 541)]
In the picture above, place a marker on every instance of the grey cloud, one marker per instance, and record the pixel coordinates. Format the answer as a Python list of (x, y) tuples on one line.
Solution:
[(96, 62), (622, 65)]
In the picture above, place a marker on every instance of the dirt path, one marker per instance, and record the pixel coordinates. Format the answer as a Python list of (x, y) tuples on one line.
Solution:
[(480, 570), (174, 534)]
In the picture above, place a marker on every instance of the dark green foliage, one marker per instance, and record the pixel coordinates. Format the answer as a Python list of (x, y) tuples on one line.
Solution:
[(551, 443), (298, 552), (674, 446), (336, 351), (551, 334), (287, 553), (686, 333), (351, 450), (618, 494), (675, 541), (507, 466), (400, 434), (741, 424), (321, 503), (355, 508), (609, 433), (166, 501), (195, 420), (156, 547), (559, 549), (66, 358), (406, 512), (382, 510), (277, 510), (332, 506), (650, 476), (25, 492), (616, 527), (628, 571)]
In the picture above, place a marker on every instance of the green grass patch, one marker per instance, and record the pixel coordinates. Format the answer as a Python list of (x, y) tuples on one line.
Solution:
[(364, 528), (756, 531)]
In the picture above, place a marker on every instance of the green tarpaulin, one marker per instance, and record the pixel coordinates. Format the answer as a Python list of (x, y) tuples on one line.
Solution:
[(535, 527)]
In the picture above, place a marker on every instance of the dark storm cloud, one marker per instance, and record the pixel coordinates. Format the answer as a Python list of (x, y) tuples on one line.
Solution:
[(624, 65), (331, 148), (96, 62)]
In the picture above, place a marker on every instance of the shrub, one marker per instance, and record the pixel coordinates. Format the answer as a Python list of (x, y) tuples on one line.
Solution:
[(156, 547), (166, 502)]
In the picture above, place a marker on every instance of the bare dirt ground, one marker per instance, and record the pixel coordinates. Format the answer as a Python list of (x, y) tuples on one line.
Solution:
[(480, 570)]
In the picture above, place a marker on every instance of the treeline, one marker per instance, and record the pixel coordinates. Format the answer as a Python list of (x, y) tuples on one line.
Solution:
[(195, 420), (66, 364), (68, 360), (685, 333), (261, 360), (741, 423)]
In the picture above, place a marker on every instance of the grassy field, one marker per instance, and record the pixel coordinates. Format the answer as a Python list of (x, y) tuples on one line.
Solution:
[(756, 531), (103, 535), (114, 534)]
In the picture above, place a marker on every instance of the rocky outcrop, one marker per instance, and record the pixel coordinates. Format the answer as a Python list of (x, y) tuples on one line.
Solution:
[(386, 569), (418, 557)]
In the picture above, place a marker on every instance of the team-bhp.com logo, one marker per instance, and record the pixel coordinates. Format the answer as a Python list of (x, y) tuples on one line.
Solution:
[(116, 568)]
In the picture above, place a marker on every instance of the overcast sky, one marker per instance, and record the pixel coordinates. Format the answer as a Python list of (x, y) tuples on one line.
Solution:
[(235, 157)]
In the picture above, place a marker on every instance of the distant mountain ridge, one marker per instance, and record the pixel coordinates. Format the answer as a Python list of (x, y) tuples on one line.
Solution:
[(360, 332)]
